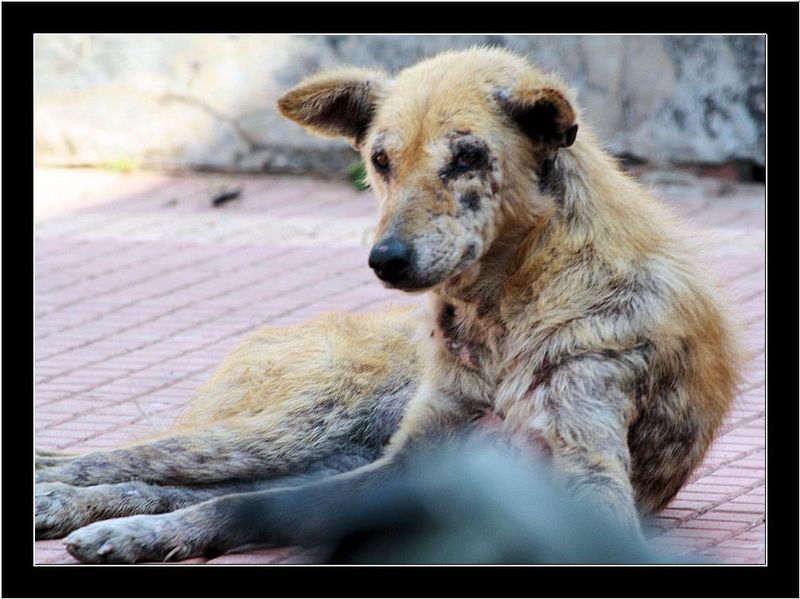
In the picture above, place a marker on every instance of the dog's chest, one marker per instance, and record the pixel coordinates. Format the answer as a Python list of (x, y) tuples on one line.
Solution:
[(470, 340), (475, 344)]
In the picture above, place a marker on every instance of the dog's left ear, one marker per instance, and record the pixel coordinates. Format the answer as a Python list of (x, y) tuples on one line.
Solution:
[(543, 113)]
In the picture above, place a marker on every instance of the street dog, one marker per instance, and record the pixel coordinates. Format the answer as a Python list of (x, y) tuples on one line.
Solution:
[(561, 302)]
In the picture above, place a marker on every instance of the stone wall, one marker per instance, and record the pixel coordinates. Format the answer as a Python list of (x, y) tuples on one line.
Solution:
[(207, 101)]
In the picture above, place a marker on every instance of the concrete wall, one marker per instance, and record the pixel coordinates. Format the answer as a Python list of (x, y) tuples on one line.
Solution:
[(207, 101)]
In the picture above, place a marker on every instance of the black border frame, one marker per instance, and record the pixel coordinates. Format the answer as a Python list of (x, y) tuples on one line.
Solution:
[(23, 19)]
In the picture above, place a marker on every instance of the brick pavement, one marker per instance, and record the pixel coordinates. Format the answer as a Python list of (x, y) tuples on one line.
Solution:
[(142, 287)]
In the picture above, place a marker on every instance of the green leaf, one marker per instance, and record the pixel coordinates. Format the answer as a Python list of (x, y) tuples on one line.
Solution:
[(357, 173)]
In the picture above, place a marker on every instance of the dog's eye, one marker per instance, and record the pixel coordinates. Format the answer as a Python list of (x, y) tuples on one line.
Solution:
[(469, 157), (380, 160)]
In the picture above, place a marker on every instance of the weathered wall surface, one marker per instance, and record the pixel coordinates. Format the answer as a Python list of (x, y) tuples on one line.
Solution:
[(187, 101)]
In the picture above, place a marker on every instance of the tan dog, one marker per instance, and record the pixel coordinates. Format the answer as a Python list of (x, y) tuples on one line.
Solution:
[(560, 301)]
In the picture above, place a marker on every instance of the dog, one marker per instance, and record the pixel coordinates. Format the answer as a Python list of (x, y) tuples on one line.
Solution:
[(561, 304)]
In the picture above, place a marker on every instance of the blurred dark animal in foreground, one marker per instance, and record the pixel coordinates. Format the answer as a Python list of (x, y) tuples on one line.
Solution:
[(473, 502)]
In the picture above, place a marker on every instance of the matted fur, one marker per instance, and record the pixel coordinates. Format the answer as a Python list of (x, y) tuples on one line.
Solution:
[(561, 300)]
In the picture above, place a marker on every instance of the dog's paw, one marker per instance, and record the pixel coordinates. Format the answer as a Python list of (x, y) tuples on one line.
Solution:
[(128, 540), (59, 510)]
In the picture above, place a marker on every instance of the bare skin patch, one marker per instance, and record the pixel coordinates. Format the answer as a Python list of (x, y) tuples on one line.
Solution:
[(551, 180), (470, 200), (469, 155), (466, 353)]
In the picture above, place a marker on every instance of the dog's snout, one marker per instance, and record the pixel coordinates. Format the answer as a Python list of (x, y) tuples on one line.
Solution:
[(391, 259)]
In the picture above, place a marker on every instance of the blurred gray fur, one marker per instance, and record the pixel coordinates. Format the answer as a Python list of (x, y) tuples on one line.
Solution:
[(474, 502)]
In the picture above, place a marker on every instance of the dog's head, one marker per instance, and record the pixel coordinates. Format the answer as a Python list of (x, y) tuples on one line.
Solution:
[(454, 147)]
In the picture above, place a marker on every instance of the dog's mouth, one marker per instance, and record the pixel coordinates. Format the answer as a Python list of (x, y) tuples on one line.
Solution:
[(413, 282), (410, 285)]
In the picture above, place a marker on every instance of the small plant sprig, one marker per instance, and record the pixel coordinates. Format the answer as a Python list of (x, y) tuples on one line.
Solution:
[(357, 174)]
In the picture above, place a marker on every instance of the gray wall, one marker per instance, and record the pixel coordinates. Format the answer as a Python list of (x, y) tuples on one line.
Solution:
[(191, 101)]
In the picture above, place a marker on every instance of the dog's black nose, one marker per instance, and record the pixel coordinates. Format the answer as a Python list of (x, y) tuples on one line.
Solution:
[(391, 259)]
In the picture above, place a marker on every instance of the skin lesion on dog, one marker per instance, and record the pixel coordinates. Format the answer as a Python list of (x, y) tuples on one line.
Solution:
[(470, 200), (562, 304), (469, 155)]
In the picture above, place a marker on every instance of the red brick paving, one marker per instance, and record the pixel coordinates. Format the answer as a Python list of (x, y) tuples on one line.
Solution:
[(142, 287)]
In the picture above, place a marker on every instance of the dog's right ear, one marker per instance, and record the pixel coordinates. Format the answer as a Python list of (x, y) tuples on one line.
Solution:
[(339, 103)]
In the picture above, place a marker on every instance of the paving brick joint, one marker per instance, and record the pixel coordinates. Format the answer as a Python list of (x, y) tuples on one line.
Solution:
[(141, 287)]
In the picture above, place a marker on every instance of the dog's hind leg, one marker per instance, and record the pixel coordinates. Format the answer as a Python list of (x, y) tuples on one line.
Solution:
[(48, 459), (287, 444), (284, 400)]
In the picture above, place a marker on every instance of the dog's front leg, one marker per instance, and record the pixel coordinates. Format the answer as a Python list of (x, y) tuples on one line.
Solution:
[(62, 508), (289, 516), (292, 516), (582, 412)]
